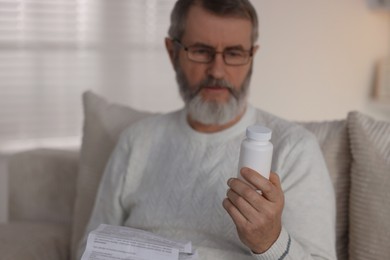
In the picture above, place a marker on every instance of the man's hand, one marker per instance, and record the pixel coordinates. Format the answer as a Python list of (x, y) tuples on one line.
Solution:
[(257, 215)]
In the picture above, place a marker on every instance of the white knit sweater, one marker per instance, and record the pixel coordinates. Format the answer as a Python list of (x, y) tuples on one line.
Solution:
[(167, 178)]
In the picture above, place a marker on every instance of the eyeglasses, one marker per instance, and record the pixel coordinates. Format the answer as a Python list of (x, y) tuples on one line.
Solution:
[(204, 54)]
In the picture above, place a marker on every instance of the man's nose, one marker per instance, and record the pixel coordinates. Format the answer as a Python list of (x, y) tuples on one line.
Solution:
[(217, 67)]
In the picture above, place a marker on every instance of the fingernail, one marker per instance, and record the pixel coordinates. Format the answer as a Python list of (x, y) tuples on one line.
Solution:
[(229, 181)]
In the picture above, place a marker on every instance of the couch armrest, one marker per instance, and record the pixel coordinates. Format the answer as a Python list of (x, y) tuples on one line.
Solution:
[(42, 184), (34, 241)]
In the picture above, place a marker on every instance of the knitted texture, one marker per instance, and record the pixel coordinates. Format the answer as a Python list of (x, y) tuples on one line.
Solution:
[(370, 195), (166, 178), (334, 142)]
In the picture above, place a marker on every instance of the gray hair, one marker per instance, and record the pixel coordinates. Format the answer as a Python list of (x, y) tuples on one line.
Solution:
[(235, 8)]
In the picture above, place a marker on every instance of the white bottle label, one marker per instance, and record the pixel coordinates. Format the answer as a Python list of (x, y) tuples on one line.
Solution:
[(256, 151), (260, 161)]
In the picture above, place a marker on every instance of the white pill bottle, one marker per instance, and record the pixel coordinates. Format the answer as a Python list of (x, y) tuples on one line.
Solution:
[(256, 150)]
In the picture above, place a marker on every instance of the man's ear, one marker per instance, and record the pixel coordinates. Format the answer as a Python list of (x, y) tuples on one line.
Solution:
[(169, 45), (255, 49)]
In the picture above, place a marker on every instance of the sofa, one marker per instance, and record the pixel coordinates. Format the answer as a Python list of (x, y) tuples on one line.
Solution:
[(52, 191)]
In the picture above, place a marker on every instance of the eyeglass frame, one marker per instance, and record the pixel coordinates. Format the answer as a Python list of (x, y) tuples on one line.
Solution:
[(214, 53)]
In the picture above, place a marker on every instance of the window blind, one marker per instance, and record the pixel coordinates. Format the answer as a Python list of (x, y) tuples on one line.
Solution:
[(53, 50)]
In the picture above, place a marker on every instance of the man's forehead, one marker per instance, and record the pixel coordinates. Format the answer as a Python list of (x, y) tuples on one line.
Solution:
[(205, 27)]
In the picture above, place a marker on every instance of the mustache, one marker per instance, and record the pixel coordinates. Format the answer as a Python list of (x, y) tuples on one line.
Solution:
[(215, 83)]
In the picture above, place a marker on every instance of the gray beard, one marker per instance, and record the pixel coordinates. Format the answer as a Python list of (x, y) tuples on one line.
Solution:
[(210, 112)]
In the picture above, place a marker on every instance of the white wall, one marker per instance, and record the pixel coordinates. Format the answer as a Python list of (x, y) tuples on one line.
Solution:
[(316, 62), (317, 58)]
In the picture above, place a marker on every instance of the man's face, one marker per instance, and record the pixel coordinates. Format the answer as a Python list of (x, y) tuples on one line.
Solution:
[(214, 93)]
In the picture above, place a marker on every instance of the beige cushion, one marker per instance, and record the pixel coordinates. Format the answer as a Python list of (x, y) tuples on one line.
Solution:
[(333, 139), (370, 188), (34, 241), (103, 123)]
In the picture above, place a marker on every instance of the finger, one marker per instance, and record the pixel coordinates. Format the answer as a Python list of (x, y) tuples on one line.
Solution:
[(233, 212), (245, 192), (246, 209), (274, 178), (270, 189), (253, 177), (244, 189)]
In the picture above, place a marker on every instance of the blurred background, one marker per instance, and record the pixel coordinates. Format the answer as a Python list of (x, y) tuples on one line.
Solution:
[(318, 60)]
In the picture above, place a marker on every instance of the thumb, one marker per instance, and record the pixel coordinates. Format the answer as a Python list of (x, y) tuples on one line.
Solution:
[(274, 179)]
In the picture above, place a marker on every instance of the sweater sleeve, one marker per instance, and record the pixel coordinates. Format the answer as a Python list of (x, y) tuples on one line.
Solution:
[(108, 208), (309, 214)]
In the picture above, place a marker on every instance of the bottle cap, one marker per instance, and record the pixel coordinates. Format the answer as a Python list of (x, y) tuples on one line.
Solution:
[(259, 133)]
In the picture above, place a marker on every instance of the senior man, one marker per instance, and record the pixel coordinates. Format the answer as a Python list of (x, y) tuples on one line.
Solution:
[(175, 174)]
